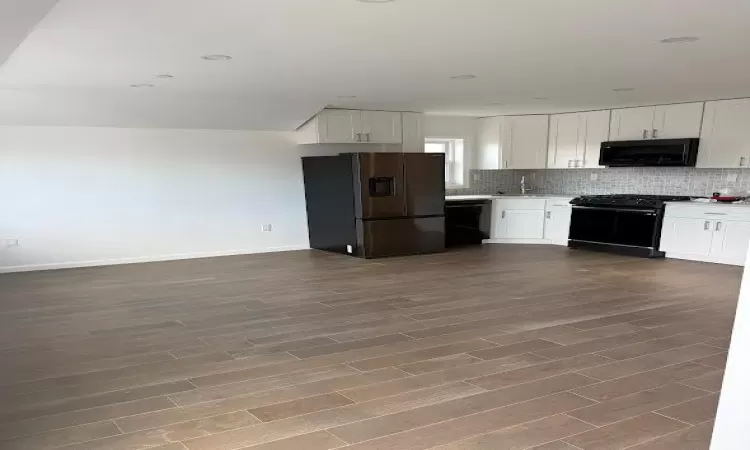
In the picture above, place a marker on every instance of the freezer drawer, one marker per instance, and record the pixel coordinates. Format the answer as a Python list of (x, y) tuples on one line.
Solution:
[(400, 237)]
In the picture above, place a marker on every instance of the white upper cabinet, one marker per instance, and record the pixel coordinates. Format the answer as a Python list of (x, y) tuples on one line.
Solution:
[(575, 139), (725, 137), (678, 121), (564, 141), (488, 157), (339, 126), (656, 122), (347, 126), (596, 131), (524, 142), (513, 142), (381, 127), (413, 132), (632, 124)]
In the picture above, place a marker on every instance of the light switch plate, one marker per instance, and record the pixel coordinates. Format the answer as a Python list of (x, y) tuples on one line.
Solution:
[(594, 176), (732, 177)]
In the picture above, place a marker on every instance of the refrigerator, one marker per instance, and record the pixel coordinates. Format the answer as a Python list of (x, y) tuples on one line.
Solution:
[(374, 205)]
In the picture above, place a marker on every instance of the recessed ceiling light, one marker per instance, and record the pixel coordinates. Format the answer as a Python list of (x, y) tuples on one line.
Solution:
[(540, 98), (142, 85), (680, 40), (346, 97), (163, 75), (216, 57), (623, 89), (463, 77)]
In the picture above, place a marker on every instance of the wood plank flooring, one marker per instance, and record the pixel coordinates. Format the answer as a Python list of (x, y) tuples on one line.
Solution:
[(494, 347)]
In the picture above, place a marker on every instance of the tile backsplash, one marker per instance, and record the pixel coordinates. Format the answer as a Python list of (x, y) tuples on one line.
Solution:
[(630, 180)]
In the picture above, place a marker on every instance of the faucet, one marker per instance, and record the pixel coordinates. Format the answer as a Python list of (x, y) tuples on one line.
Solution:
[(524, 189)]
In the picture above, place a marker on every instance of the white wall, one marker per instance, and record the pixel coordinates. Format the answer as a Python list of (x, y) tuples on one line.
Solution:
[(465, 128), (88, 196), (732, 418)]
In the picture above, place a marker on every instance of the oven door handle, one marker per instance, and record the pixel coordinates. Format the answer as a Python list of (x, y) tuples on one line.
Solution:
[(647, 212)]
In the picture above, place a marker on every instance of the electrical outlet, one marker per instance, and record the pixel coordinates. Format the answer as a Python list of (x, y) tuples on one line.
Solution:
[(476, 177), (732, 177), (594, 176), (11, 243), (267, 228)]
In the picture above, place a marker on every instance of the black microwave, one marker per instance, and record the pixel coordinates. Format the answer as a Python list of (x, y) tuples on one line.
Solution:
[(653, 152)]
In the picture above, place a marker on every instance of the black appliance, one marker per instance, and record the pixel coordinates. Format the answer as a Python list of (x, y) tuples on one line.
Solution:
[(375, 205), (624, 224), (467, 222), (653, 152)]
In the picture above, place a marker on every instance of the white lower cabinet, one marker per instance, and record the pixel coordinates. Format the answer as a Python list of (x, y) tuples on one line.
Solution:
[(530, 220), (730, 242), (686, 236), (557, 223), (711, 233), (519, 224)]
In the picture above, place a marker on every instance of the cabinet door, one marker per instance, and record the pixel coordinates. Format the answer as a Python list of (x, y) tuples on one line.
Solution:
[(678, 121), (725, 136), (631, 124), (413, 132), (519, 224), (564, 141), (730, 242), (381, 127), (526, 139), (687, 236), (557, 223), (339, 126), (595, 131), (489, 144)]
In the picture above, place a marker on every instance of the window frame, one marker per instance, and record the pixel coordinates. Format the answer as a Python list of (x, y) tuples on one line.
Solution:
[(453, 167)]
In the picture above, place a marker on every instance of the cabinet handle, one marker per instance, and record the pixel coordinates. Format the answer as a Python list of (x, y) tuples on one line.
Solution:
[(505, 166), (718, 226), (645, 134), (653, 133), (549, 214), (742, 161), (706, 225), (503, 215)]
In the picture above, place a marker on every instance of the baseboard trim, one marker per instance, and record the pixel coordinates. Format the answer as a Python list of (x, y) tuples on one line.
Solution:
[(517, 241), (705, 259), (147, 259)]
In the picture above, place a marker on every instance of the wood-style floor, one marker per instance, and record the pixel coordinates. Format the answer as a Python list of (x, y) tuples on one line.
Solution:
[(498, 347)]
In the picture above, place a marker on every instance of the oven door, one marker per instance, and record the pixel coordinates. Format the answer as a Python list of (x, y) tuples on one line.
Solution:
[(618, 226)]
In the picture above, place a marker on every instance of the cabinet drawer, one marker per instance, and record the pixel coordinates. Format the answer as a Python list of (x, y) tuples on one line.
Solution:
[(519, 203), (710, 212)]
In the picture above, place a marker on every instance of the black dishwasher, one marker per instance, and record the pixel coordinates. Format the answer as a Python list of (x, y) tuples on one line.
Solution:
[(467, 222)]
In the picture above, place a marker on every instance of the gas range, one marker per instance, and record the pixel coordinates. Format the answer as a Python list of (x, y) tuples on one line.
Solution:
[(628, 200), (628, 224)]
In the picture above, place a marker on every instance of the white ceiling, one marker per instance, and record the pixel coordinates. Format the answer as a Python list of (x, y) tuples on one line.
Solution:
[(293, 57)]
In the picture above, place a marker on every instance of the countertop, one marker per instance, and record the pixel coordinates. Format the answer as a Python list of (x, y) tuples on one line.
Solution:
[(493, 197), (710, 204)]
